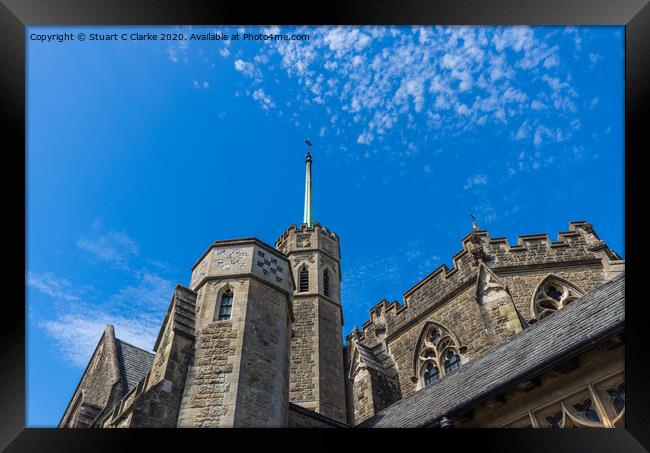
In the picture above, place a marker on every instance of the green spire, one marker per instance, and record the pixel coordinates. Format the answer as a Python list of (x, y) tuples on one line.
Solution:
[(307, 216)]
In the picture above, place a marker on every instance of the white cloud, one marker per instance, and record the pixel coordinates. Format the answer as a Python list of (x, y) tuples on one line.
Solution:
[(55, 287), (476, 180), (264, 99), (136, 309), (365, 138), (150, 294), (76, 334), (537, 105), (459, 79), (200, 85), (245, 67), (115, 248), (410, 261)]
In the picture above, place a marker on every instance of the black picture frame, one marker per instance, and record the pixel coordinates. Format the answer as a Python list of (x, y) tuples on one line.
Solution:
[(16, 15)]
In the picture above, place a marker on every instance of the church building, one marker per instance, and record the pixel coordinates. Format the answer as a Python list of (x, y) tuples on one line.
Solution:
[(524, 335)]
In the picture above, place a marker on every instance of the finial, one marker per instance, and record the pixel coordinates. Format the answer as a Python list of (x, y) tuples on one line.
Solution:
[(474, 225), (309, 145)]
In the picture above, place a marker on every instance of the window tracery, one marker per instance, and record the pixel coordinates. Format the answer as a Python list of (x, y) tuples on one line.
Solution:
[(552, 294), (600, 405), (439, 355)]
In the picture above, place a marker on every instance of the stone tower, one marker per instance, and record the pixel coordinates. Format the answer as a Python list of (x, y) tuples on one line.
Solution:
[(316, 380), (239, 373)]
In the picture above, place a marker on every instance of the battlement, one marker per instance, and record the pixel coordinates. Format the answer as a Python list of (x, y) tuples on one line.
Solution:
[(578, 246), (304, 228)]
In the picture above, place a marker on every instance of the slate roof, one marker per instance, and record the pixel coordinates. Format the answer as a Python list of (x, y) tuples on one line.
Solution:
[(134, 363), (596, 315)]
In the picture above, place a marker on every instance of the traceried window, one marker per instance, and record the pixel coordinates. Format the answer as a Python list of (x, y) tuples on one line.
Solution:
[(617, 398), (552, 294), (439, 355), (452, 361), (326, 283), (303, 279), (225, 306), (600, 405)]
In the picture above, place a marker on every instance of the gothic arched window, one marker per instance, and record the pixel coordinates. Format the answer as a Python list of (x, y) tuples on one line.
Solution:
[(452, 361), (431, 374), (552, 294), (439, 354), (326, 283), (303, 278), (225, 306)]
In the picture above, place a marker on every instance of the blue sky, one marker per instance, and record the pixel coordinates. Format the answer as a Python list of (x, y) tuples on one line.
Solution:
[(140, 154)]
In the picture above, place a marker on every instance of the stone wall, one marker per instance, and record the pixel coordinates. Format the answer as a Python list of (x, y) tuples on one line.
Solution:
[(451, 298), (330, 344), (317, 380), (211, 385), (300, 417), (304, 351), (263, 388), (362, 397), (155, 401), (239, 374), (99, 385)]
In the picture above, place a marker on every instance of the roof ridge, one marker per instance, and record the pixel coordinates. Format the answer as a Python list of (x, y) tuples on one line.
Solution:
[(599, 299)]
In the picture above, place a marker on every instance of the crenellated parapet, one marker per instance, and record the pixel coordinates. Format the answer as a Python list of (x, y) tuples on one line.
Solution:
[(306, 238), (580, 246)]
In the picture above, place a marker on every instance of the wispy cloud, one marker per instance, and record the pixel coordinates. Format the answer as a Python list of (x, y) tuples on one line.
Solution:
[(76, 334), (135, 308), (379, 77), (114, 248), (392, 273), (200, 85), (54, 287), (476, 180), (150, 294)]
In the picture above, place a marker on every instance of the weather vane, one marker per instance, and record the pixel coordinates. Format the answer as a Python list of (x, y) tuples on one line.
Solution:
[(474, 225), (309, 145)]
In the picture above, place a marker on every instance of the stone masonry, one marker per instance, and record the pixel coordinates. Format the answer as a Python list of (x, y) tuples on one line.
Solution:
[(277, 359), (484, 299), (317, 381)]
